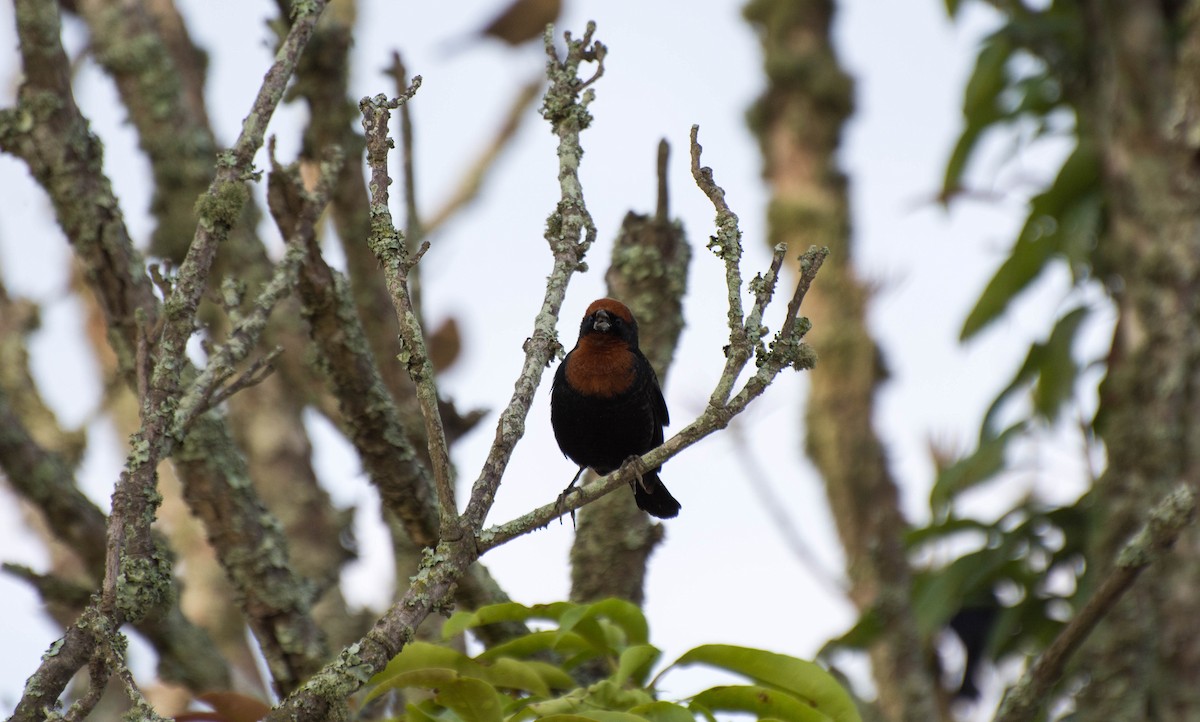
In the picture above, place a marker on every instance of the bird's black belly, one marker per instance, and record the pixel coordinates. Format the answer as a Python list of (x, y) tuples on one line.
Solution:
[(602, 432)]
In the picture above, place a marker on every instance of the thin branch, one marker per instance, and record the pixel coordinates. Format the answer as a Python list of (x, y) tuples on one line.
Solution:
[(220, 206), (570, 232), (368, 414), (135, 564), (398, 258), (714, 418), (44, 479), (661, 210), (204, 393), (414, 231), (99, 671), (258, 372), (1025, 700), (727, 244)]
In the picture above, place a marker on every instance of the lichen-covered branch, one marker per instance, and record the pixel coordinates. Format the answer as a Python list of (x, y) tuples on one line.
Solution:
[(48, 132), (1027, 699), (570, 233), (160, 76), (398, 258), (1139, 108), (369, 416), (786, 350), (137, 577), (44, 479)]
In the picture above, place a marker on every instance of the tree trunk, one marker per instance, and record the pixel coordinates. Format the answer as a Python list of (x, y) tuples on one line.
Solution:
[(799, 121), (1145, 659)]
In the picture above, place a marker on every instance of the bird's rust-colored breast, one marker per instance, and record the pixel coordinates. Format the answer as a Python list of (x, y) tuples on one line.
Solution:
[(602, 367)]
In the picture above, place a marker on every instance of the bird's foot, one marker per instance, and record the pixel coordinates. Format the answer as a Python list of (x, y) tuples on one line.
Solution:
[(562, 498), (639, 471)]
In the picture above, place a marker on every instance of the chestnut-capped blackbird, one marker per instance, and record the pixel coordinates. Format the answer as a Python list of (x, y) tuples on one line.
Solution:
[(606, 406)]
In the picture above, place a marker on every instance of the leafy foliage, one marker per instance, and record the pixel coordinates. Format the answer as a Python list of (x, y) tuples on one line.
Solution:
[(530, 677), (1018, 575), (1063, 222)]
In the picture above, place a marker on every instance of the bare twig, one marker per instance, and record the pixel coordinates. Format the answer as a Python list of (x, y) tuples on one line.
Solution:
[(259, 370), (414, 231), (570, 232), (787, 351), (398, 258), (204, 392), (727, 244), (1165, 522), (99, 671)]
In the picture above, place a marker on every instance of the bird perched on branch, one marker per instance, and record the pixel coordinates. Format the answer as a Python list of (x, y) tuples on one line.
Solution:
[(606, 405)]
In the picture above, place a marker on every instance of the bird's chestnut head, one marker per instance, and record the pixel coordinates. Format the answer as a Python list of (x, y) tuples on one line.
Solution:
[(609, 318)]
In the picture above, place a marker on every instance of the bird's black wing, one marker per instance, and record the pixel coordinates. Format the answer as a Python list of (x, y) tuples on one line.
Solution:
[(658, 405)]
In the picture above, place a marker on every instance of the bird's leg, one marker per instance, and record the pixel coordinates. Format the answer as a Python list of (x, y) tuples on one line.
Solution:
[(562, 498), (639, 470)]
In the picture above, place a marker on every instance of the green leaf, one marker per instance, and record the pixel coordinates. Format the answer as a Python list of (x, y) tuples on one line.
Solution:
[(760, 702), (806, 680), (535, 642), (607, 694), (502, 672), (1075, 190), (862, 635), (470, 698), (416, 656), (943, 529), (627, 616), (415, 713), (981, 107), (988, 78), (509, 673), (581, 621), (985, 462), (661, 711), (594, 716), (1037, 95), (956, 164), (551, 674), (938, 594), (1050, 367), (459, 622), (1058, 369), (635, 663)]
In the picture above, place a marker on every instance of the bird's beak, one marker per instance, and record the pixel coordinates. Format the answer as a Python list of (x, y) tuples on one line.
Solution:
[(602, 322)]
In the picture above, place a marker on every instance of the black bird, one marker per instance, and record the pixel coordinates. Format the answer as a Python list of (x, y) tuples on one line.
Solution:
[(606, 405)]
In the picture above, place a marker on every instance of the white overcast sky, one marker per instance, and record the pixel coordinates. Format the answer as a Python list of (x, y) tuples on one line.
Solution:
[(724, 573)]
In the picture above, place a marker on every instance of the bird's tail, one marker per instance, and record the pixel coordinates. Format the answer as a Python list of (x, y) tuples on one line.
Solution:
[(653, 498)]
